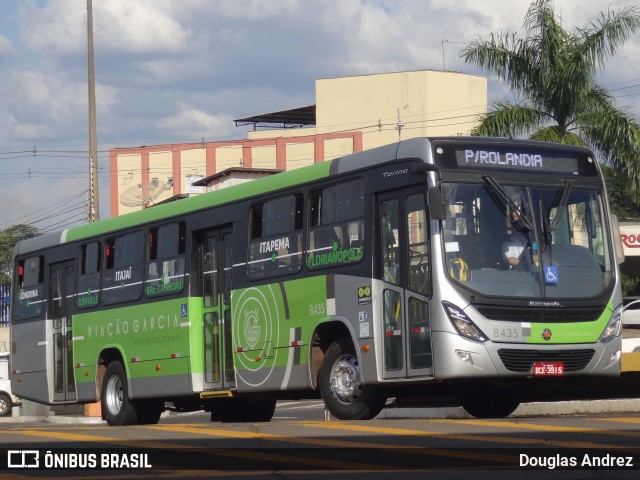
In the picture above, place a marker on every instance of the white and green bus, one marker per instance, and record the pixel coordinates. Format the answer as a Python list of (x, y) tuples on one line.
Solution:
[(375, 275)]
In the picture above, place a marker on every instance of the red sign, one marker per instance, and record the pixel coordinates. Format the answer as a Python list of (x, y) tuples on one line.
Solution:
[(630, 238)]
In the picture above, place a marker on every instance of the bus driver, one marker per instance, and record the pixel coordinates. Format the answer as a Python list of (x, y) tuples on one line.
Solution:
[(517, 241)]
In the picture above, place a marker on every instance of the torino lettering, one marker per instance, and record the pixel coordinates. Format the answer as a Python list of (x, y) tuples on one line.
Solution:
[(507, 159)]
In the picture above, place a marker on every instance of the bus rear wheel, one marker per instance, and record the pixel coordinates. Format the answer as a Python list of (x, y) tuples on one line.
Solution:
[(117, 409), (149, 411), (240, 410), (340, 382)]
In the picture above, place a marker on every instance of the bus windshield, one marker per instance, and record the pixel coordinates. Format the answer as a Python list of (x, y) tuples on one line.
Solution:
[(527, 241)]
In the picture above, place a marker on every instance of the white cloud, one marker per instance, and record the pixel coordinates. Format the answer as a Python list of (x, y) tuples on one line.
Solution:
[(139, 26), (57, 27), (29, 130), (253, 9), (170, 70), (55, 101), (27, 197), (6, 48), (190, 122), (169, 52)]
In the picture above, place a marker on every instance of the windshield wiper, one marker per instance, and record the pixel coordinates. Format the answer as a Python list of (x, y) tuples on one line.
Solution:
[(562, 204), (544, 221), (495, 186)]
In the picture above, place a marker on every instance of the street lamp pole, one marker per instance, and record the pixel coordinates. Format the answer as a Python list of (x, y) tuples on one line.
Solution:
[(94, 210)]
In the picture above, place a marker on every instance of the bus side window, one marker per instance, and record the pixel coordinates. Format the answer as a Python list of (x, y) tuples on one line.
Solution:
[(389, 229), (276, 237), (20, 274), (336, 225), (123, 272), (418, 239), (88, 294), (29, 294), (33, 271), (165, 259)]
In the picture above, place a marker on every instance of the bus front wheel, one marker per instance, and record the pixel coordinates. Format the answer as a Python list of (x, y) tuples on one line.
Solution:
[(341, 386), (5, 405), (117, 409), (491, 402)]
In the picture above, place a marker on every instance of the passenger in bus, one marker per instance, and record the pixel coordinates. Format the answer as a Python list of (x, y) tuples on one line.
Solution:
[(327, 237)]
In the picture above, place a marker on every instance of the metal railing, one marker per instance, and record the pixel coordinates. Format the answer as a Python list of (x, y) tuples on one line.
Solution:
[(5, 300)]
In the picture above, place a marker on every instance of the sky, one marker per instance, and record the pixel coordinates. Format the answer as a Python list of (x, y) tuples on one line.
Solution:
[(170, 71)]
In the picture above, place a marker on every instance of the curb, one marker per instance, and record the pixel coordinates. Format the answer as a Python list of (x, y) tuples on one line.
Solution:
[(57, 419), (590, 407), (537, 409)]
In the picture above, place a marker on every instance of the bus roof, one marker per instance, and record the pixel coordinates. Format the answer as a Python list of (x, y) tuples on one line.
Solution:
[(410, 148), (177, 208)]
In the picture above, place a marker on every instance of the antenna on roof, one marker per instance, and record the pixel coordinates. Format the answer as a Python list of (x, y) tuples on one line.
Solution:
[(133, 196)]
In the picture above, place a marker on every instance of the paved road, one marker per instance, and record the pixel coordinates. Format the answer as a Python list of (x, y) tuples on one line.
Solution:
[(299, 444)]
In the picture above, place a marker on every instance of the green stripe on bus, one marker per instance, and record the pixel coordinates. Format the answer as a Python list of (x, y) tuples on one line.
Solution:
[(568, 333)]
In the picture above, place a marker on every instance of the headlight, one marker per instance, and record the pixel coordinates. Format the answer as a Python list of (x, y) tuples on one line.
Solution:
[(462, 323), (612, 329)]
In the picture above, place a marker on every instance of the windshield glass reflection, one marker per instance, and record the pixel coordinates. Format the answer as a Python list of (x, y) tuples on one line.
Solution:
[(507, 240)]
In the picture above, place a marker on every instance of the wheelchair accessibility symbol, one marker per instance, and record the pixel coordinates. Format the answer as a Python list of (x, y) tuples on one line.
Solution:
[(551, 274)]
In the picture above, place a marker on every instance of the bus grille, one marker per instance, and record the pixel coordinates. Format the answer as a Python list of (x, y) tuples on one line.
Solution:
[(523, 360), (537, 315)]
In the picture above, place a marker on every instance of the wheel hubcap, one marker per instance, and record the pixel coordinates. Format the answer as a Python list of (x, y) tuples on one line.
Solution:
[(115, 395), (345, 379)]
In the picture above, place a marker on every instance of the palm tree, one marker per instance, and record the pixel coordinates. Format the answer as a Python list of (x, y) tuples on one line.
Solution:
[(553, 70)]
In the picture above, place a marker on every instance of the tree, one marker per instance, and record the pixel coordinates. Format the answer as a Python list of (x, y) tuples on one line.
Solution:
[(553, 71), (9, 238), (620, 200)]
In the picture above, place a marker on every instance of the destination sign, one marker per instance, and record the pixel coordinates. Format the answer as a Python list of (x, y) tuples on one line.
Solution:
[(516, 159)]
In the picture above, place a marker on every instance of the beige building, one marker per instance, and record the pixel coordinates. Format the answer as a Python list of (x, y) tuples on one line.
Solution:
[(351, 114)]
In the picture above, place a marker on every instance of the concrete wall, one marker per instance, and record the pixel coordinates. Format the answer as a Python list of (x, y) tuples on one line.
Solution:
[(393, 106), (5, 345)]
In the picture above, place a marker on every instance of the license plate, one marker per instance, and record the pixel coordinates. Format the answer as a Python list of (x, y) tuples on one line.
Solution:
[(548, 369)]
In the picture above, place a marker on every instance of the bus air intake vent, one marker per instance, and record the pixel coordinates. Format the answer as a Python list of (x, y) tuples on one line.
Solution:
[(523, 360), (541, 315)]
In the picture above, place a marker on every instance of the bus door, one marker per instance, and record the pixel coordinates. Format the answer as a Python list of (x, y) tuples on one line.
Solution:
[(216, 260), (61, 307), (404, 260)]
